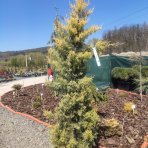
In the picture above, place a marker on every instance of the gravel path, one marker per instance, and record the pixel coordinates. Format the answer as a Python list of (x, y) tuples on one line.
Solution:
[(17, 131), (5, 87)]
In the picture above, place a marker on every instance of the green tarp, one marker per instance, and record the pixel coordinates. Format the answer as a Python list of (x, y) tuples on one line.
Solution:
[(102, 75)]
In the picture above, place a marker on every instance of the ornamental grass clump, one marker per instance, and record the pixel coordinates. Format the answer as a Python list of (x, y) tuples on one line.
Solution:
[(128, 107), (37, 102), (17, 88), (76, 119)]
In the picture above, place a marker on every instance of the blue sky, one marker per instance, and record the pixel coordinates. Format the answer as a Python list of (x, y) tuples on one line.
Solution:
[(26, 24)]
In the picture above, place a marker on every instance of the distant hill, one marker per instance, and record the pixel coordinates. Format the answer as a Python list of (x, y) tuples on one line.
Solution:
[(7, 54), (133, 37)]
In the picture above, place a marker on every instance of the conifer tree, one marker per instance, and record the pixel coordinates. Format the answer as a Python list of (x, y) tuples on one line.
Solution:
[(76, 119)]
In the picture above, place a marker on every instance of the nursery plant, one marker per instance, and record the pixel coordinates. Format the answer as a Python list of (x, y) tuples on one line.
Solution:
[(112, 127), (37, 102), (76, 119), (144, 82), (124, 74), (131, 76), (17, 88), (128, 107)]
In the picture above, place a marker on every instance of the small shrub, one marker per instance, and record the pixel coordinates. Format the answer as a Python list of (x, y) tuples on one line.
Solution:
[(36, 105), (17, 87), (124, 73), (37, 102), (102, 96), (111, 123), (128, 106), (122, 95), (144, 70), (48, 114), (111, 127), (144, 86)]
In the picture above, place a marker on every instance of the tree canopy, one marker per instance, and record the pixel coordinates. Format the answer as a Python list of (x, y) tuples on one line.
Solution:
[(76, 119)]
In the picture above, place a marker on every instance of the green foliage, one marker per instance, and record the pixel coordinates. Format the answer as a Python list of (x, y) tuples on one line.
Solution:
[(144, 70), (14, 62), (76, 119), (101, 96), (102, 45), (3, 64), (17, 87), (144, 85), (144, 80), (36, 105), (37, 102), (48, 114), (37, 60), (111, 123), (81, 128), (76, 116), (112, 127), (124, 73)]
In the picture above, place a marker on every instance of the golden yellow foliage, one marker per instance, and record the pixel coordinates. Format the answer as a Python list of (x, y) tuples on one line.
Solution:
[(111, 122), (128, 106)]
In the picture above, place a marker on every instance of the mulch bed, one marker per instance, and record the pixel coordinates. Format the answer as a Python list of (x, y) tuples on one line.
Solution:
[(135, 125), (27, 96)]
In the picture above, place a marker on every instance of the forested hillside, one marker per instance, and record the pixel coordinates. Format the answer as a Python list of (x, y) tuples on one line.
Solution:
[(134, 38), (6, 55)]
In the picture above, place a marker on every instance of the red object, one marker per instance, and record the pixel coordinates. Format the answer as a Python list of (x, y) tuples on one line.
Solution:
[(50, 72), (144, 145)]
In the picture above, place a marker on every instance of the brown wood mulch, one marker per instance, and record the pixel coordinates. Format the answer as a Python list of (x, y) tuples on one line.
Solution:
[(27, 97), (135, 125)]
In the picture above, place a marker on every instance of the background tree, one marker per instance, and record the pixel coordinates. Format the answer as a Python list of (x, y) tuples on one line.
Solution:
[(103, 46), (134, 37), (76, 119), (14, 63), (35, 61)]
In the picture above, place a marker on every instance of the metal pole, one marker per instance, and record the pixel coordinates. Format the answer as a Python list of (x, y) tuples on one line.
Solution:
[(26, 62), (140, 75)]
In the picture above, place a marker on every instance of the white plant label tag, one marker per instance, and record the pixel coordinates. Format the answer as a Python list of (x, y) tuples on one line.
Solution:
[(133, 107), (96, 57)]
